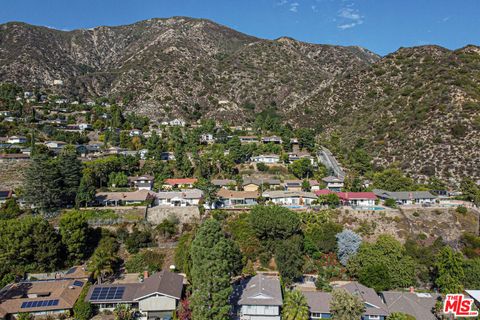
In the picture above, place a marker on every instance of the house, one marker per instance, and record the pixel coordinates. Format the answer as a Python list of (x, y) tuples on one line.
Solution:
[(207, 138), (258, 298), (418, 305), (290, 198), (84, 126), (318, 304), (179, 183), (182, 198), (406, 197), (248, 139), (40, 298), (77, 273), (157, 297), (55, 144), (250, 184), (375, 309), (144, 182), (177, 123), (314, 185), (5, 113), (224, 183), (231, 198), (272, 139), (5, 195), (10, 119), (135, 133), (123, 198), (334, 183), (293, 185), (357, 199), (17, 140), (294, 156), (266, 158)]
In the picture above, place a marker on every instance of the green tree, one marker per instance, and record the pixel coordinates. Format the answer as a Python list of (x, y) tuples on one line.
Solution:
[(289, 258), (123, 312), (138, 239), (75, 232), (295, 306), (183, 258), (103, 259), (10, 209), (301, 168), (383, 264), (83, 310), (86, 190), (400, 316), (345, 306), (43, 184), (449, 271), (392, 180), (471, 270), (118, 179), (147, 260), (274, 222), (320, 237), (167, 228), (70, 169), (215, 258)]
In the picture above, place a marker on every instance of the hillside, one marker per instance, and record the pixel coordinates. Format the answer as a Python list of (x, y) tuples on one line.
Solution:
[(174, 67), (419, 107)]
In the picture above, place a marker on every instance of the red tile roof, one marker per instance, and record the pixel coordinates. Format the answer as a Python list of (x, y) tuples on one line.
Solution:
[(323, 192)]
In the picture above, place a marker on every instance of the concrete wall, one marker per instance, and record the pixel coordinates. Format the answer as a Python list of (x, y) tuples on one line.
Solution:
[(157, 214)]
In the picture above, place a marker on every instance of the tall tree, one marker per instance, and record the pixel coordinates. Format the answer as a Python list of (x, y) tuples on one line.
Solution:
[(289, 258), (345, 306), (43, 184), (103, 258), (75, 231), (348, 243), (215, 259), (295, 306), (449, 270), (70, 170), (86, 189)]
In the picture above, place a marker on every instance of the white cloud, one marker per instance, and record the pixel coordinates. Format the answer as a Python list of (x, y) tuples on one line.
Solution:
[(350, 18), (294, 6), (281, 2)]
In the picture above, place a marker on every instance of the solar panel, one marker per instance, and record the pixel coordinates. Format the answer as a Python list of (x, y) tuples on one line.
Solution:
[(38, 304), (107, 293), (78, 283)]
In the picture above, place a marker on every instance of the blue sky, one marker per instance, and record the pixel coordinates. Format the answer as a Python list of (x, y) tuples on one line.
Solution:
[(379, 25)]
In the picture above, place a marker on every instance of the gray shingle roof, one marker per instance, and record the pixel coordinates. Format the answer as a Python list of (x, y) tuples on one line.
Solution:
[(403, 195), (374, 305), (418, 305), (318, 301), (183, 194), (262, 290)]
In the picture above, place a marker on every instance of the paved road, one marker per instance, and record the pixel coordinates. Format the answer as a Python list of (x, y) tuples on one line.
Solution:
[(329, 161)]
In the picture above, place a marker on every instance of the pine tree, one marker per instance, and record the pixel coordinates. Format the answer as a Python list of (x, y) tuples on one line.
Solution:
[(86, 190), (43, 184), (74, 230), (71, 171), (214, 260)]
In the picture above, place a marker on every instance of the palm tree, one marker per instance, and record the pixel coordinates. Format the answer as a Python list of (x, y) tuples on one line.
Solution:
[(295, 306), (101, 264)]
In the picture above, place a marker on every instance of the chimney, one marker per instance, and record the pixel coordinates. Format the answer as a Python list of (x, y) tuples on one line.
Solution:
[(145, 274), (412, 290)]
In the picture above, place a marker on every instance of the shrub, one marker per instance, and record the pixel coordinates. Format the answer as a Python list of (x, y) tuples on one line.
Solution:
[(461, 210)]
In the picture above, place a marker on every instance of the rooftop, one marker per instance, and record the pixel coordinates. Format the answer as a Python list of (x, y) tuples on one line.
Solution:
[(261, 290)]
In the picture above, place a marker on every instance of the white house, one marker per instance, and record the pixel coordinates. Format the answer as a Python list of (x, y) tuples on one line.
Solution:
[(135, 133), (290, 198), (267, 159), (5, 113), (407, 197), (334, 183), (259, 298), (177, 122), (84, 126), (55, 144), (16, 139), (144, 182), (182, 198), (207, 138)]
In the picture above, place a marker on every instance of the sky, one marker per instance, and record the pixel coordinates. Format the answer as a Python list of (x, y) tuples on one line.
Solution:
[(381, 26)]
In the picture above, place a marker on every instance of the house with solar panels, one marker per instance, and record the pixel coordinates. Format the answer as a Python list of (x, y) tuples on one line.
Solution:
[(157, 297), (39, 298)]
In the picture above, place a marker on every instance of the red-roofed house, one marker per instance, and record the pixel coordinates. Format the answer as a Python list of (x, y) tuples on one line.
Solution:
[(357, 199), (183, 183)]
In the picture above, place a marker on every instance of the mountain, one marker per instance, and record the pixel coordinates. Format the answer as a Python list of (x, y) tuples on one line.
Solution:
[(417, 107), (174, 67)]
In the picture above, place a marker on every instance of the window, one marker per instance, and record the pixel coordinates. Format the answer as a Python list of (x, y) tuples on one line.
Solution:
[(374, 317)]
